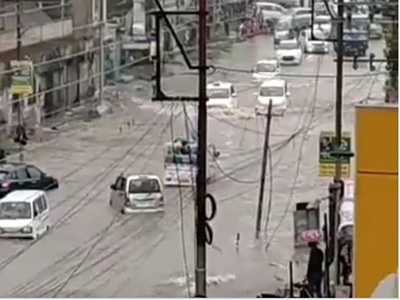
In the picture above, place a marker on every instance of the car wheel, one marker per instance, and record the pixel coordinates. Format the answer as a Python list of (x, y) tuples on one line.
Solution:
[(122, 211)]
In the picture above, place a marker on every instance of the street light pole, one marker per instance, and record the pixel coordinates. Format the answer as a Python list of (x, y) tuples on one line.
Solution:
[(201, 184), (20, 99), (103, 18), (338, 140)]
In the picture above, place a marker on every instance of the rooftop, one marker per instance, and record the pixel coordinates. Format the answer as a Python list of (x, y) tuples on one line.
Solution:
[(22, 196)]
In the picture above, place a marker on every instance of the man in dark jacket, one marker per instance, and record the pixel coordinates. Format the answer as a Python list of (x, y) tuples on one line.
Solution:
[(314, 270)]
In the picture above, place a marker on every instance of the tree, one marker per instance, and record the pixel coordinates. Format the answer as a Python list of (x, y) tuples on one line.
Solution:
[(391, 53)]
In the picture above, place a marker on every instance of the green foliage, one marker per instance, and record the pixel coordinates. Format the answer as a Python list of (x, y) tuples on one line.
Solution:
[(391, 53)]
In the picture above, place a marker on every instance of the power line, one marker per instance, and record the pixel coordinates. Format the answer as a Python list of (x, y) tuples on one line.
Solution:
[(299, 159), (181, 217)]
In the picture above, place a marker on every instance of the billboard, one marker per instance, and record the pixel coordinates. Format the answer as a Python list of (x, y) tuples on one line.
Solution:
[(22, 77), (327, 161), (376, 202)]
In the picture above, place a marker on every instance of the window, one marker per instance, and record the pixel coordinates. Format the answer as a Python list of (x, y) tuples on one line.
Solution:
[(271, 91), (15, 210), (39, 205), (43, 200), (218, 93), (144, 186), (36, 209), (265, 68), (3, 175), (120, 183), (34, 172), (22, 174), (288, 45)]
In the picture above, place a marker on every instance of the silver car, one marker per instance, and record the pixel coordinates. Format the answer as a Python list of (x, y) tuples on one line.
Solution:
[(137, 193)]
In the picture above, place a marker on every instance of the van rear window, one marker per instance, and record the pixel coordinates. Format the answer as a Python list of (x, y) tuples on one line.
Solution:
[(3, 175)]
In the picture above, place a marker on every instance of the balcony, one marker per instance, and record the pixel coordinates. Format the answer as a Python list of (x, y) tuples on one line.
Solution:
[(36, 25)]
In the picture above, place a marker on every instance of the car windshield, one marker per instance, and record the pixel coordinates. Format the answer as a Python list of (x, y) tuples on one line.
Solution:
[(271, 91), (144, 186), (302, 12), (218, 93), (15, 210), (322, 20), (288, 46), (181, 159), (265, 68), (283, 25), (3, 175)]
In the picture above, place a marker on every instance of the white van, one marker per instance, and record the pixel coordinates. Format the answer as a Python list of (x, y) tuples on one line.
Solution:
[(24, 214), (276, 91)]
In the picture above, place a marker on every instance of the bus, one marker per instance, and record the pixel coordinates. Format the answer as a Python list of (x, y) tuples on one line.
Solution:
[(180, 160)]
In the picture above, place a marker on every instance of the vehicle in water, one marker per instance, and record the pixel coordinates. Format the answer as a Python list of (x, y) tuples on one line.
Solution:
[(221, 95), (137, 193), (283, 30), (24, 214), (180, 167), (276, 91), (265, 69), (289, 52), (355, 42)]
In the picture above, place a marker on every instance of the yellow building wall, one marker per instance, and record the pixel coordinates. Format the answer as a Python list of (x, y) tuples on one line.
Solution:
[(376, 207)]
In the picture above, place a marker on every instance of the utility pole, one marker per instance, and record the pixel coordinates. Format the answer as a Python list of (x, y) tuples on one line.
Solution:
[(103, 18), (20, 99), (338, 129), (201, 179), (263, 170)]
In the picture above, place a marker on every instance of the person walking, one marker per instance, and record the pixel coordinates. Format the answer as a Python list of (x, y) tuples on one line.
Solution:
[(315, 270)]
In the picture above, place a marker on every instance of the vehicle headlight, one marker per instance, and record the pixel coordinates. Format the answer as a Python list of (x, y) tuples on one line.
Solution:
[(27, 229)]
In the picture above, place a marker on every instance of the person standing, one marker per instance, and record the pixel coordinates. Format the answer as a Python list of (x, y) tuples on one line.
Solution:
[(315, 270)]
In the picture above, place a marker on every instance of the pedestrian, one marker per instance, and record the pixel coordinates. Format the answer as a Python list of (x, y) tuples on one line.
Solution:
[(314, 270)]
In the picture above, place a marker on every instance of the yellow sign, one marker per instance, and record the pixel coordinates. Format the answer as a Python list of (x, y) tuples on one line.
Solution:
[(376, 202), (328, 170), (22, 78), (327, 161)]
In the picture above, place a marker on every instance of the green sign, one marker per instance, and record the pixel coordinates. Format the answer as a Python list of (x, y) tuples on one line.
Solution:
[(22, 77), (327, 162)]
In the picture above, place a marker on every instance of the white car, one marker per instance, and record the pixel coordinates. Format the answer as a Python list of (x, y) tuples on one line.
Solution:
[(282, 29), (275, 91), (222, 95), (265, 69), (137, 193), (289, 53), (271, 12), (323, 23), (314, 46)]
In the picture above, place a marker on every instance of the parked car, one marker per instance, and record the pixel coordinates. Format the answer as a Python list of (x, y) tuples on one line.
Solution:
[(289, 52), (137, 193), (21, 176)]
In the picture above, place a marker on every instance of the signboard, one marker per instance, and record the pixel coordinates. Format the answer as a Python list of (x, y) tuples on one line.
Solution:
[(327, 161), (22, 78)]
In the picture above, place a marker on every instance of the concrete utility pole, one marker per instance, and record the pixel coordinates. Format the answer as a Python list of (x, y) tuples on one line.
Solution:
[(338, 140), (201, 179), (103, 24), (263, 170), (20, 99)]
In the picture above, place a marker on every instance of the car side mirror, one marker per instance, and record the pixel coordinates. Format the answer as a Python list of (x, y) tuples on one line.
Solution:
[(35, 213), (234, 95), (287, 94), (255, 94), (112, 186)]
